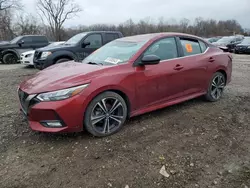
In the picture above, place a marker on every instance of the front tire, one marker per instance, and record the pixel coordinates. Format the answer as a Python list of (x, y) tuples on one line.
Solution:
[(10, 58), (216, 87), (106, 114)]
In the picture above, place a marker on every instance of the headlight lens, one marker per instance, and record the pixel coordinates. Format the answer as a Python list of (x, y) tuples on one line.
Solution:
[(28, 55), (248, 47), (45, 55), (61, 94)]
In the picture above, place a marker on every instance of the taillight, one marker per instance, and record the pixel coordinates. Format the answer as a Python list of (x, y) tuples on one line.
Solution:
[(230, 57)]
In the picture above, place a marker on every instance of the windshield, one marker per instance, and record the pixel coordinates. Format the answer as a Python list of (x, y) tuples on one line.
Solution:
[(15, 40), (75, 39), (246, 41), (113, 53), (226, 39)]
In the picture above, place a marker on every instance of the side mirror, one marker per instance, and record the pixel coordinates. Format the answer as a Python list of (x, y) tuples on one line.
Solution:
[(150, 60), (84, 44), (20, 43)]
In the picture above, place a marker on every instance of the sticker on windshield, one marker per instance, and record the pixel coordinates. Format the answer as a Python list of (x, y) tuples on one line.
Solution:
[(113, 60), (189, 48)]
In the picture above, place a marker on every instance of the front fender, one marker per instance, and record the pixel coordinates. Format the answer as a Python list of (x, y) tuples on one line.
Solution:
[(10, 51), (63, 53)]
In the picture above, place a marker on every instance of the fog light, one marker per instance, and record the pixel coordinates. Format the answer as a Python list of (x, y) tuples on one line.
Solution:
[(52, 124)]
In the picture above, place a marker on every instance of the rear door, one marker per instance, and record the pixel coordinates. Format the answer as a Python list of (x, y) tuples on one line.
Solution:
[(95, 41), (195, 63), (39, 42)]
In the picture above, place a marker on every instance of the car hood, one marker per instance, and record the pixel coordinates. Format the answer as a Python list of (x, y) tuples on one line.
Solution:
[(61, 76), (243, 44), (28, 52), (55, 48), (220, 43)]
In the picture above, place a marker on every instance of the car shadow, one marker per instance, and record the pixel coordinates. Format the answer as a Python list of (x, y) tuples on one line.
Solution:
[(66, 137), (169, 109)]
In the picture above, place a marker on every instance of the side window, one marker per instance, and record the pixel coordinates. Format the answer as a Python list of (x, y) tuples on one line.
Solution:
[(95, 41), (238, 39), (111, 36), (203, 46), (26, 40), (190, 47), (164, 48), (39, 39)]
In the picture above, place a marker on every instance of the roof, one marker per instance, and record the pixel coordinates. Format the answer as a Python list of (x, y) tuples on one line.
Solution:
[(87, 32), (147, 37)]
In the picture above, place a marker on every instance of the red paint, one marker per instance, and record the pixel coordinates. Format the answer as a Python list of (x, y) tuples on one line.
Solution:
[(147, 87)]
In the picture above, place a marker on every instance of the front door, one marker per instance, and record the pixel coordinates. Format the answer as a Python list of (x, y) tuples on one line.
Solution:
[(162, 82), (91, 43)]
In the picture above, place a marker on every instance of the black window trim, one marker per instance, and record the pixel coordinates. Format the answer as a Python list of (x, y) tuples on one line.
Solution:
[(90, 35), (137, 61), (179, 49), (194, 39)]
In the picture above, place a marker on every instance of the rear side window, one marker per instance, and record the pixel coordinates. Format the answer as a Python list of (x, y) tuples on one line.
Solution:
[(190, 47), (203, 46), (95, 41), (165, 49), (111, 36), (39, 39)]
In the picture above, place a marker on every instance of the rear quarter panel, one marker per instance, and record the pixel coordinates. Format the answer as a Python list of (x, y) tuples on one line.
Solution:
[(223, 62)]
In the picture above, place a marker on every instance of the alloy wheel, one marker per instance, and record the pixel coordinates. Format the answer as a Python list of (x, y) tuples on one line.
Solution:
[(107, 115), (218, 86)]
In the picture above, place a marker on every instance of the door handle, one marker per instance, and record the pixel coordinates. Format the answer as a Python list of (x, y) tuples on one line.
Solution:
[(211, 59), (178, 67)]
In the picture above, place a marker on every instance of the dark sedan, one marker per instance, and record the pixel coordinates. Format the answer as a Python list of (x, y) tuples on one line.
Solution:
[(243, 47)]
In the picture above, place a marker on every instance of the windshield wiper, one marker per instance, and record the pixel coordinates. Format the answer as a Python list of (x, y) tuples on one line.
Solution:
[(93, 63)]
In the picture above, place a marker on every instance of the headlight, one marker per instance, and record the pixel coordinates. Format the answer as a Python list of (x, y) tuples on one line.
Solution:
[(45, 55), (28, 55), (61, 94), (248, 47)]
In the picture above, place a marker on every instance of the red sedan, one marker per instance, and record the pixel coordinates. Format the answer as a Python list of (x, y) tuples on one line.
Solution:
[(125, 78)]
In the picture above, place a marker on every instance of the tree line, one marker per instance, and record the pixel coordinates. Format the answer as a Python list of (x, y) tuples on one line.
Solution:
[(52, 15)]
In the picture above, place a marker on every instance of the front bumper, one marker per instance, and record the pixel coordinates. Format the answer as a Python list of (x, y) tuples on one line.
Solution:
[(40, 64), (242, 50), (69, 113)]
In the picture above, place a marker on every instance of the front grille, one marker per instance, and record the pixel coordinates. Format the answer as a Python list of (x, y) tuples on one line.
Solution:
[(37, 55), (241, 47), (27, 101)]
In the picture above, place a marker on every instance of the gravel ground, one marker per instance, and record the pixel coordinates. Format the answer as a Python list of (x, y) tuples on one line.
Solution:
[(201, 144)]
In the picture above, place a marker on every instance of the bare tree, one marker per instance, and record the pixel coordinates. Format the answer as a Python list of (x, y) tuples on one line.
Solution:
[(8, 4), (27, 25), (56, 12)]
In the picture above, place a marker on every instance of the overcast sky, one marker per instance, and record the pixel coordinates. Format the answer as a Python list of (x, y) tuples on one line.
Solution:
[(116, 11)]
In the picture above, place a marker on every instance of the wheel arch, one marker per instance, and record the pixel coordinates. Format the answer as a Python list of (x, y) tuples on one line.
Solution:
[(11, 51), (63, 54), (223, 72), (119, 91)]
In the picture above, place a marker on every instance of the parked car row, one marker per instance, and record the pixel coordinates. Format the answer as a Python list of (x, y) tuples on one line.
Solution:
[(27, 58), (10, 52), (237, 43), (124, 78)]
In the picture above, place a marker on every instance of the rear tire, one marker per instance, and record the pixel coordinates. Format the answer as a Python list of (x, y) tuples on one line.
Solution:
[(62, 60), (216, 87), (10, 58), (106, 114)]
